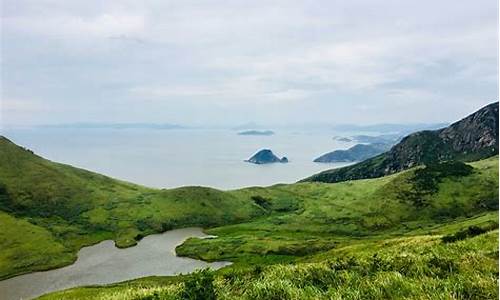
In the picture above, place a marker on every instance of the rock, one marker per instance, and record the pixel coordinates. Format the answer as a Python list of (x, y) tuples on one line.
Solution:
[(266, 156)]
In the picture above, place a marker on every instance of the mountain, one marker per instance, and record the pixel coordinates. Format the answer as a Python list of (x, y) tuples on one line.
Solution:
[(266, 156), (355, 153), (472, 138)]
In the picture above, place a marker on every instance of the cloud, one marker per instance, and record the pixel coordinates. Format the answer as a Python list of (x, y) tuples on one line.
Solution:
[(243, 90), (326, 58), (104, 25)]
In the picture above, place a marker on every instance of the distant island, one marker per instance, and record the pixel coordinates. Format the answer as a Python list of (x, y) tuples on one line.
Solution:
[(382, 139), (389, 128), (371, 139), (342, 139), (358, 152), (256, 132), (266, 156)]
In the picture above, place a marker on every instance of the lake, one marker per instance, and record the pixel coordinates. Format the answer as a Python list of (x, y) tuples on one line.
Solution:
[(103, 263), (173, 158)]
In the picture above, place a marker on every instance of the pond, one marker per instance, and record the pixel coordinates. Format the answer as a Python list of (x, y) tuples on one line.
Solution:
[(103, 263)]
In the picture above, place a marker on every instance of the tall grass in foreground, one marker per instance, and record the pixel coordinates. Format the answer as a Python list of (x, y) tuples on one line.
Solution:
[(409, 268)]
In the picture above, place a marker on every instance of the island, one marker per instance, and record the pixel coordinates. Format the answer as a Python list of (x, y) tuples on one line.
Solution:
[(358, 152), (342, 139), (266, 156), (256, 132)]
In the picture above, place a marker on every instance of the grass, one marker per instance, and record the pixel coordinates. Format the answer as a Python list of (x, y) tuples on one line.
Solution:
[(416, 267), (333, 215), (74, 208), (272, 234)]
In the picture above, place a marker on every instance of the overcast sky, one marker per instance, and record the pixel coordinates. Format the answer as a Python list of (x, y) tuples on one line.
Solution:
[(232, 62)]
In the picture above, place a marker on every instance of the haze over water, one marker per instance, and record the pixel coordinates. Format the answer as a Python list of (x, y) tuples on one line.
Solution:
[(180, 157)]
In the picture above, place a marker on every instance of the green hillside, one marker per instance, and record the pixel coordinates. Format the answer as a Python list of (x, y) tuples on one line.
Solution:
[(427, 233), (418, 201), (66, 208)]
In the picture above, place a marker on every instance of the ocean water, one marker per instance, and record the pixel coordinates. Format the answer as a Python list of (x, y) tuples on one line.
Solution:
[(180, 157)]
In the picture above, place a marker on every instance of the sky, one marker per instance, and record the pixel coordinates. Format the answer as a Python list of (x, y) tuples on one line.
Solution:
[(233, 62)]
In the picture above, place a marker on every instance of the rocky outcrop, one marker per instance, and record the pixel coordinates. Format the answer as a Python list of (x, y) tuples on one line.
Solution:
[(266, 156), (476, 133), (472, 138)]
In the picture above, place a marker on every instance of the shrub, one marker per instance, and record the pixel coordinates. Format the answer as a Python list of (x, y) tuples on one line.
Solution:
[(343, 263), (470, 231), (261, 201), (199, 286), (426, 181), (441, 266), (154, 296)]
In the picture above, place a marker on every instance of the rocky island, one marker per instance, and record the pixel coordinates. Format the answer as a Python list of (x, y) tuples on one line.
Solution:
[(266, 156)]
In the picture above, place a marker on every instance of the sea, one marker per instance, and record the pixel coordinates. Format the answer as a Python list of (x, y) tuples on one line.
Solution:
[(169, 158)]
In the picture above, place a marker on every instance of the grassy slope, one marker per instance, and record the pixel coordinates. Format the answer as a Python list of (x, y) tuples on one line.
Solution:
[(353, 240), (71, 208), (333, 215), (416, 267)]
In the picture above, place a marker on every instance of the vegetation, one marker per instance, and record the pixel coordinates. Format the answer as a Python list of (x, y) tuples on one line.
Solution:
[(417, 267), (65, 208), (352, 240), (427, 231), (417, 201), (199, 286)]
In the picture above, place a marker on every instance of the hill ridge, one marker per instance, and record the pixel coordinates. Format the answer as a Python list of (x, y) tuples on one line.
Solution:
[(472, 138)]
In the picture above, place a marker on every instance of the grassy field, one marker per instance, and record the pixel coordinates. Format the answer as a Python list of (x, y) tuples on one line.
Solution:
[(350, 233), (333, 215)]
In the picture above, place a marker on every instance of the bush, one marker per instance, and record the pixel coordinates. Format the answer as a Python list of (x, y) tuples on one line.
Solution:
[(199, 286), (470, 231), (442, 266), (154, 296), (261, 201), (426, 181)]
